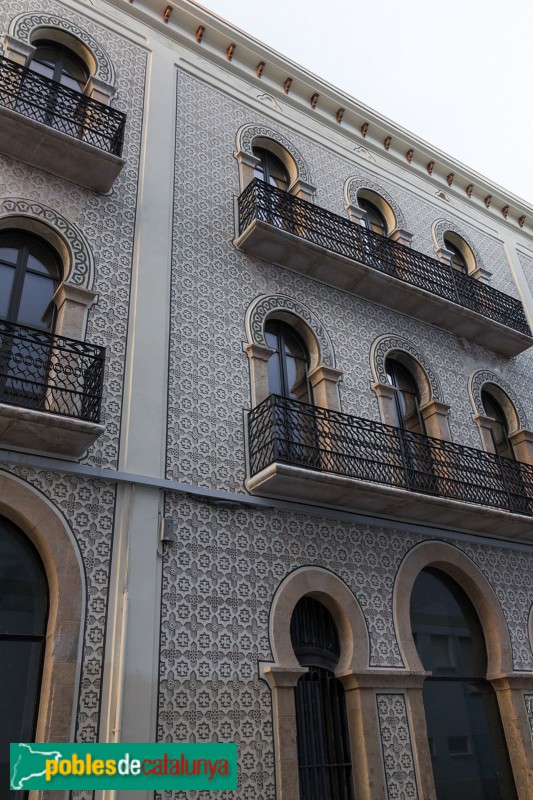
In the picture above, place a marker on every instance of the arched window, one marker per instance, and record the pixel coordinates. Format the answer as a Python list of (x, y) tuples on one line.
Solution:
[(23, 619), (499, 427), (324, 760), (30, 272), (288, 366), (54, 61), (466, 739), (374, 219), (406, 397), (462, 257), (270, 169)]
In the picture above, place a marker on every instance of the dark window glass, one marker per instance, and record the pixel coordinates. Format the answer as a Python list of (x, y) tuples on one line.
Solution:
[(468, 748), (59, 64), (322, 729), (458, 259), (375, 220), (23, 618), (406, 398), (30, 273), (288, 366), (271, 170), (499, 428)]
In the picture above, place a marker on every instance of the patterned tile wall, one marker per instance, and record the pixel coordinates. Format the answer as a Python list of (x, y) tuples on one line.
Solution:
[(218, 585), (106, 220), (213, 285)]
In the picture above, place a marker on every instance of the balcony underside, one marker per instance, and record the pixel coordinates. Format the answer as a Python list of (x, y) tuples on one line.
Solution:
[(278, 246), (46, 434), (56, 152), (302, 485)]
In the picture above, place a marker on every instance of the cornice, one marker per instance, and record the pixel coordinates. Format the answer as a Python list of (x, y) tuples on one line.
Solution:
[(220, 43)]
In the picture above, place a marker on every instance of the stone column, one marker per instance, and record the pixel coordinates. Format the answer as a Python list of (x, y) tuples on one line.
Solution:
[(73, 304), (282, 682), (325, 383), (259, 356), (435, 416), (522, 443), (386, 393)]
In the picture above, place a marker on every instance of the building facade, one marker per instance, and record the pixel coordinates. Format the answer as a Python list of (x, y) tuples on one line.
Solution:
[(266, 418)]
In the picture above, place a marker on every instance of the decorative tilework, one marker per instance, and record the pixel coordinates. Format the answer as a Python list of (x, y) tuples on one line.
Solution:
[(105, 221), (213, 285), (386, 344), (81, 258), (265, 306), (248, 133), (480, 378), (397, 749), (353, 185), (23, 26), (88, 507)]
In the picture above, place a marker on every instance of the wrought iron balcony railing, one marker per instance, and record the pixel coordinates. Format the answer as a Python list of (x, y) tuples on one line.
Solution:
[(44, 372), (60, 107), (301, 435), (268, 204)]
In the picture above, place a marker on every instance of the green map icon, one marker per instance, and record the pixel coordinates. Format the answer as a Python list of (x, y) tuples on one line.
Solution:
[(28, 762)]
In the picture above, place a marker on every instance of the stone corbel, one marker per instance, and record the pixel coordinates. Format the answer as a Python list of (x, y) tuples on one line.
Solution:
[(259, 356), (522, 444), (324, 381), (72, 303), (481, 274), (247, 164), (97, 89), (445, 255), (386, 394), (402, 237), (303, 190), (20, 52), (485, 429), (435, 416), (356, 214)]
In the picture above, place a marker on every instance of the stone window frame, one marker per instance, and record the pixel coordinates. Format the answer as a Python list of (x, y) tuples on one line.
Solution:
[(45, 527), (508, 684), (283, 673), (74, 295), (433, 409), (323, 375), (447, 228), (254, 135), (520, 435), (354, 188), (29, 27)]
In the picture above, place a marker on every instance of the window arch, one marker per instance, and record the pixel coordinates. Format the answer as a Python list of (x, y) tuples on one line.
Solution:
[(466, 740), (266, 317), (499, 423), (271, 169), (28, 30), (257, 144), (59, 63), (30, 272), (406, 397), (461, 255), (324, 758), (23, 622), (288, 366), (408, 390), (373, 219)]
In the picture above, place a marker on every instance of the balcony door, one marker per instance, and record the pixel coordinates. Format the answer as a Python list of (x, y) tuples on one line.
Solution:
[(23, 619), (29, 276), (294, 429), (466, 739), (60, 110)]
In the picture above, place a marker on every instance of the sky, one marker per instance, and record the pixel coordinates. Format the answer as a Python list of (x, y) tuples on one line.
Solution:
[(458, 74)]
